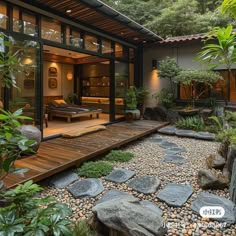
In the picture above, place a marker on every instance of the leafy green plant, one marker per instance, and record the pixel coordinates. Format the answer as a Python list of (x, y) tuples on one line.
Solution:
[(231, 118), (12, 142), (95, 169), (130, 99), (82, 228), (119, 156), (169, 69), (218, 121), (29, 215), (165, 97), (193, 122), (229, 134)]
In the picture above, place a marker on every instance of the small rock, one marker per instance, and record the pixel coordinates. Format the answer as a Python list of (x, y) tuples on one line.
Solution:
[(215, 161)]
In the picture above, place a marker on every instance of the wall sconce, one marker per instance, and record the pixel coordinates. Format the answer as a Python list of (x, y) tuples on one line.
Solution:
[(154, 64), (69, 75)]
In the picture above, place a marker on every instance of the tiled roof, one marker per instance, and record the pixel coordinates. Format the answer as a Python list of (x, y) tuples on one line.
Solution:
[(184, 38)]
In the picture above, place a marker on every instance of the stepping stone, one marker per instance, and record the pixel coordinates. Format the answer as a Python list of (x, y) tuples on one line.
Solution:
[(175, 194), (145, 184), (205, 136), (175, 150), (113, 194), (207, 199), (120, 175), (167, 130), (185, 133), (90, 187), (157, 140), (152, 206), (63, 179), (168, 145), (172, 158)]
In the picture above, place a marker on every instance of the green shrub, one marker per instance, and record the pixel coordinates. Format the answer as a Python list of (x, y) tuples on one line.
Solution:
[(231, 118), (27, 214), (119, 156), (82, 228), (193, 122), (229, 134), (165, 98), (95, 169)]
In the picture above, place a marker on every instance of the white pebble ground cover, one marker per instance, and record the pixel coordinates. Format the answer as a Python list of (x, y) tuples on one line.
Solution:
[(148, 160)]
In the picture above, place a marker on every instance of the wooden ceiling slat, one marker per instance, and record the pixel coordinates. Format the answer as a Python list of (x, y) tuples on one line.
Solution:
[(91, 16)]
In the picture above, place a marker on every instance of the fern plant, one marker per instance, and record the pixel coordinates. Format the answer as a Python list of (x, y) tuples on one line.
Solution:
[(193, 122), (231, 118)]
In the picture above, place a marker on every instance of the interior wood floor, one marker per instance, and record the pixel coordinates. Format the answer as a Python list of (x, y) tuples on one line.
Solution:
[(59, 154), (60, 125)]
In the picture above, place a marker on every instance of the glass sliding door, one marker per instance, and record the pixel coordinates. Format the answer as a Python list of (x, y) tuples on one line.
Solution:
[(121, 86), (26, 79)]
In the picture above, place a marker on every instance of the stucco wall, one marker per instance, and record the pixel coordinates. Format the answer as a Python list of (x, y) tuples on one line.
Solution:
[(184, 54)]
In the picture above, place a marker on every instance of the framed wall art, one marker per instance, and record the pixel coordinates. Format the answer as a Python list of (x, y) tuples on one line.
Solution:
[(52, 83), (52, 71)]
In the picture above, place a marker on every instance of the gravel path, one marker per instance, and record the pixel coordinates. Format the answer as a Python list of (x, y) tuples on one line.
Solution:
[(148, 160)]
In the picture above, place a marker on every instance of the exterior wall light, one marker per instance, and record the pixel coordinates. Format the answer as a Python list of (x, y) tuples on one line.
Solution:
[(69, 75), (154, 64)]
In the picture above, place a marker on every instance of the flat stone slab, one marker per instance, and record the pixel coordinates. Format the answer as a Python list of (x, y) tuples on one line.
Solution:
[(152, 206), (175, 194), (175, 150), (63, 179), (157, 140), (208, 199), (113, 194), (185, 133), (145, 184), (167, 130), (173, 158), (90, 187), (168, 145), (205, 136), (120, 175)]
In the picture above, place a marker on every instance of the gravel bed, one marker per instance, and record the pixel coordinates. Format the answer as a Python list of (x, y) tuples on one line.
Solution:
[(148, 160)]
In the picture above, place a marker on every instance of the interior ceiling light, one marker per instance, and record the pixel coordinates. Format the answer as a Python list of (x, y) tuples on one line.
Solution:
[(135, 38), (68, 11)]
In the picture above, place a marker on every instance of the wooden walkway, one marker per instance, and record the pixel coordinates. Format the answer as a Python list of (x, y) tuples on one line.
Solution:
[(60, 153)]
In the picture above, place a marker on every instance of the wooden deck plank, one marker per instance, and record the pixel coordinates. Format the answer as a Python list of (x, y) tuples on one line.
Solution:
[(59, 154)]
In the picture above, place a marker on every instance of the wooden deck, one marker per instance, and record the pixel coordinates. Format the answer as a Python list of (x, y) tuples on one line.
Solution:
[(59, 154)]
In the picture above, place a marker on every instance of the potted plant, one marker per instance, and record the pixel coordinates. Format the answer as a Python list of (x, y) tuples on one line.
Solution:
[(131, 111), (141, 94)]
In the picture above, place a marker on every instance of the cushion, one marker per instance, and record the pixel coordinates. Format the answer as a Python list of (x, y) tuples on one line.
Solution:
[(60, 101), (80, 132)]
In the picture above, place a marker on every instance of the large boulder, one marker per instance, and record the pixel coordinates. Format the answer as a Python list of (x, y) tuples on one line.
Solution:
[(158, 113), (207, 199), (232, 189), (33, 133), (210, 179), (215, 161), (127, 218)]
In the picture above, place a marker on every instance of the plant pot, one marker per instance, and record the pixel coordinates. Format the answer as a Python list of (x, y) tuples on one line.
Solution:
[(131, 115)]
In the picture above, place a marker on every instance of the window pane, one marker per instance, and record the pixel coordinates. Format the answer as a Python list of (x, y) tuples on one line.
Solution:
[(233, 86), (219, 89), (106, 47), (91, 43), (16, 20), (118, 50), (73, 38), (25, 80), (51, 30), (3, 15), (29, 24)]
